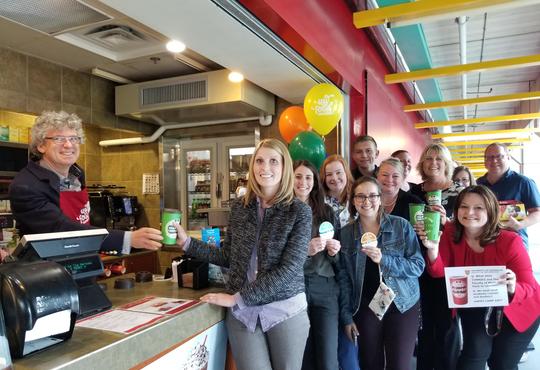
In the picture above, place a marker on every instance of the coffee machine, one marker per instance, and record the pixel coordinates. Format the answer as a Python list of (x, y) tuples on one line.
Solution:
[(112, 207)]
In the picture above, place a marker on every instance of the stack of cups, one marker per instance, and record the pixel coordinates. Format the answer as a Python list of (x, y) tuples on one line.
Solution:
[(431, 219)]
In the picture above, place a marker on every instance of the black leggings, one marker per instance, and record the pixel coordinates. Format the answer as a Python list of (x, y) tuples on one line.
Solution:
[(387, 343), (501, 352)]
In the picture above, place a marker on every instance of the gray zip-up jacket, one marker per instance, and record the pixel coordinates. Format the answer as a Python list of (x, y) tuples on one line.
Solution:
[(281, 251)]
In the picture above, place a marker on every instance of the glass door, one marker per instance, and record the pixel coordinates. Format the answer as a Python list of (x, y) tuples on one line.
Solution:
[(199, 195), (238, 169), (197, 182)]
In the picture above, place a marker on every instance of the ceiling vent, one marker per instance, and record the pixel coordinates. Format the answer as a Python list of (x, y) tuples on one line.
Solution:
[(50, 16), (115, 37), (193, 98), (182, 92)]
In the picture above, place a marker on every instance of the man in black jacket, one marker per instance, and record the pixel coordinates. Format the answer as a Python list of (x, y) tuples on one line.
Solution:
[(49, 194)]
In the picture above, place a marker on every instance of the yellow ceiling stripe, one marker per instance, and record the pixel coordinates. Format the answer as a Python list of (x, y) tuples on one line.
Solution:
[(459, 69), (472, 101), (468, 121), (478, 142), (507, 133), (417, 9)]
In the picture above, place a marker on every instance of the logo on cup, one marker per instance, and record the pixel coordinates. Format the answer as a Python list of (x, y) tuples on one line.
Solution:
[(458, 285)]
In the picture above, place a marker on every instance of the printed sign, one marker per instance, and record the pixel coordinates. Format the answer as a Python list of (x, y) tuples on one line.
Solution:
[(475, 286)]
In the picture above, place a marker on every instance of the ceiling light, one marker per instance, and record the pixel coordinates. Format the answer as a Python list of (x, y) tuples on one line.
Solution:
[(236, 77), (175, 46)]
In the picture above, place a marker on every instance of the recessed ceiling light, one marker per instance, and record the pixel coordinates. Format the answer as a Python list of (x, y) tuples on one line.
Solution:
[(236, 77), (175, 46)]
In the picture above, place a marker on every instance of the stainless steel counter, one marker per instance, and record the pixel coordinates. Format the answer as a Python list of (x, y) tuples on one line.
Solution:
[(95, 349)]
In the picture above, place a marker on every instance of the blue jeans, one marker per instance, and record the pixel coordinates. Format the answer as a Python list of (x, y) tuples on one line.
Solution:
[(347, 352)]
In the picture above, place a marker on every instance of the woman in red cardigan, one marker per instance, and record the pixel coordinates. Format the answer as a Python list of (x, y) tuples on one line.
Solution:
[(476, 238)]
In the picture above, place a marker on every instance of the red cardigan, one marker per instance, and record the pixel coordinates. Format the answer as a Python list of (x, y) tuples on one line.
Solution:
[(507, 250)]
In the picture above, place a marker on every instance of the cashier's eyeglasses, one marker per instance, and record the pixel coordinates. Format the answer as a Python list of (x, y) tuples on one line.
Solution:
[(362, 198), (59, 140)]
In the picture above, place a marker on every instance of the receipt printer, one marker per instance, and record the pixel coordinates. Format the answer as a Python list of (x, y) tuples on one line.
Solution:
[(40, 304)]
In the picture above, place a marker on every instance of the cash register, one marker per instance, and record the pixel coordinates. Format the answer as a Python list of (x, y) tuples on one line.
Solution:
[(50, 284)]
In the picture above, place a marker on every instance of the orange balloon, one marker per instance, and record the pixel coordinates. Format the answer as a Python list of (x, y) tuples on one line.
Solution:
[(292, 122)]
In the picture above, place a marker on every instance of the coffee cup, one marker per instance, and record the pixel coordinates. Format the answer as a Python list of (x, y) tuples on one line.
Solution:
[(458, 284), (416, 212), (432, 222), (434, 197)]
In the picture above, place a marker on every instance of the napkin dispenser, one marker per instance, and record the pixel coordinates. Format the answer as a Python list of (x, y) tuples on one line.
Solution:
[(40, 304), (192, 273)]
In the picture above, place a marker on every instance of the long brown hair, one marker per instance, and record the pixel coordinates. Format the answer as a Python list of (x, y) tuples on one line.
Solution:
[(492, 228), (316, 195), (344, 196), (358, 182)]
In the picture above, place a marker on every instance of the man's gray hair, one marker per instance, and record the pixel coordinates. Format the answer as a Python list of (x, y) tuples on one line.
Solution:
[(50, 120)]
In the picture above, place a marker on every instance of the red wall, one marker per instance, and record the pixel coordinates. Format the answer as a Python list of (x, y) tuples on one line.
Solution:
[(323, 32)]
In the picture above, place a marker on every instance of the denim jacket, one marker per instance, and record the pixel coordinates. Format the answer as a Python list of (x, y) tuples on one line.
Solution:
[(401, 264)]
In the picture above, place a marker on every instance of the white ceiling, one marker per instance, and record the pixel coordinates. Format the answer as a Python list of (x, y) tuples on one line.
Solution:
[(492, 35), (213, 37)]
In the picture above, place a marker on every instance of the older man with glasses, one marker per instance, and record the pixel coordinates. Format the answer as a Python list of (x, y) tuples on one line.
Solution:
[(49, 194), (512, 187)]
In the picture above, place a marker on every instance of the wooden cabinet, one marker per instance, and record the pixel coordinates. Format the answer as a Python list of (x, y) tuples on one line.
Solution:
[(136, 261)]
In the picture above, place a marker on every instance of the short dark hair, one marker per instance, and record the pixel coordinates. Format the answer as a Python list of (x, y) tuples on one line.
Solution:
[(363, 139), (492, 228), (458, 169), (500, 145), (398, 152)]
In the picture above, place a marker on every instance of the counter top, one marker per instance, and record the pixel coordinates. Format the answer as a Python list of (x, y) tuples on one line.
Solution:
[(95, 349)]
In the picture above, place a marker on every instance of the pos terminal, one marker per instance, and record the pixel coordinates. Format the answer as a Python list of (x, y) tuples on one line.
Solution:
[(50, 284), (78, 252)]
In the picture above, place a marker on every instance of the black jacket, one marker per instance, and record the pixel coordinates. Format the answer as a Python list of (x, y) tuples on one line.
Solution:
[(35, 201)]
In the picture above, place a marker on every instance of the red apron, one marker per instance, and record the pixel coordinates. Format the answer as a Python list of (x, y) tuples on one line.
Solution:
[(75, 205)]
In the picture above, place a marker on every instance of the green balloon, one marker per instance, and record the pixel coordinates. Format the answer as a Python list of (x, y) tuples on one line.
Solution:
[(308, 146)]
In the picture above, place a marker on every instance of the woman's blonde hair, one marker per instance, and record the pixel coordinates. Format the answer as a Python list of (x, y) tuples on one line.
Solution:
[(446, 156), (344, 196), (285, 191), (396, 163)]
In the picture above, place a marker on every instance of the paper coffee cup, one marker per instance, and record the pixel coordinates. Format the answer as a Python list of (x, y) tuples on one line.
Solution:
[(434, 197), (459, 289), (432, 223), (416, 212)]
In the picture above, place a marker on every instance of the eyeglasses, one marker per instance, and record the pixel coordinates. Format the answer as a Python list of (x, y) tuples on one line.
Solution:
[(495, 157), (362, 198), (64, 139)]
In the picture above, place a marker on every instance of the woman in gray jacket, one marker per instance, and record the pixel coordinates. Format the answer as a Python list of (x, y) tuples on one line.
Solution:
[(381, 256), (265, 248)]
